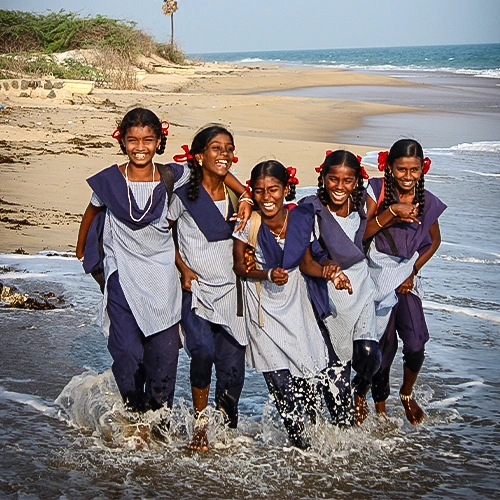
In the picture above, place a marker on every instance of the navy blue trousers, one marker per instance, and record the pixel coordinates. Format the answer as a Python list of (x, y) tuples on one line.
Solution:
[(211, 345), (407, 320), (145, 368), (335, 384)]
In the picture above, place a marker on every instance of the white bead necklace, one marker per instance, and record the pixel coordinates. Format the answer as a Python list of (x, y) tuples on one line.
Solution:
[(130, 199)]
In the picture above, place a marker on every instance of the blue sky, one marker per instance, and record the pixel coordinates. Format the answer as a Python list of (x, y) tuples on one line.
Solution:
[(254, 25)]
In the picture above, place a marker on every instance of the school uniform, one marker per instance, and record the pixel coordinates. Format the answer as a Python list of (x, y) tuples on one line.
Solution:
[(141, 306), (214, 334), (351, 318), (391, 260), (285, 342)]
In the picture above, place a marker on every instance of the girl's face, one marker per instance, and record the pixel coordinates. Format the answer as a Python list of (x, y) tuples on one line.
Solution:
[(406, 172), (339, 182), (141, 144), (269, 193), (217, 157)]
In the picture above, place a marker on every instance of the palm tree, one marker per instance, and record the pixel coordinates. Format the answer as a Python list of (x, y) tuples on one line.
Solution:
[(169, 7)]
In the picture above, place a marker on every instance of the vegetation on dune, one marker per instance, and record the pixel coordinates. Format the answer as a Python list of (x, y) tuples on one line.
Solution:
[(28, 42)]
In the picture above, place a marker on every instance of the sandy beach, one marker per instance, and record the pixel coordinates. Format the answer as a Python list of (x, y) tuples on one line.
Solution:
[(49, 147)]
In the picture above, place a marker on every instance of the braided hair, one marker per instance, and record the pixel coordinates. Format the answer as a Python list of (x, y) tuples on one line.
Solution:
[(199, 144), (273, 168), (408, 148), (341, 158), (142, 117)]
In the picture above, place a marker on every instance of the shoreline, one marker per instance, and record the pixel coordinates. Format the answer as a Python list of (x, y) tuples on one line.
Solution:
[(49, 147)]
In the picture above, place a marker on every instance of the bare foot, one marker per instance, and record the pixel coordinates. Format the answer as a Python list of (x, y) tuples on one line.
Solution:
[(360, 409), (199, 440), (414, 413), (380, 408)]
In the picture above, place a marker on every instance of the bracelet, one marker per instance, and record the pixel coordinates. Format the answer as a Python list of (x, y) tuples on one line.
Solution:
[(248, 200), (242, 195), (336, 275), (378, 223), (415, 270), (269, 277), (392, 211)]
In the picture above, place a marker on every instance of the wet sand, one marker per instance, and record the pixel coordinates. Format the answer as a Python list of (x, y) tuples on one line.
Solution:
[(49, 147)]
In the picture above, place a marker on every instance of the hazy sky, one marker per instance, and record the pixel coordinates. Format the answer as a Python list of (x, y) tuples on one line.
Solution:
[(254, 25)]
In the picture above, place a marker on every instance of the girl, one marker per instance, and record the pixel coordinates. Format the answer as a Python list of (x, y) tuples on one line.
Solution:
[(403, 219), (339, 223), (142, 295), (285, 342), (214, 334)]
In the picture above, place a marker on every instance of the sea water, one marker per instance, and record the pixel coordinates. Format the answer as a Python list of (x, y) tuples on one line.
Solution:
[(64, 432), (478, 59)]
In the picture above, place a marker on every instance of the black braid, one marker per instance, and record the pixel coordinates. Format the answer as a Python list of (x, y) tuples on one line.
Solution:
[(195, 177), (389, 198), (420, 195), (291, 191), (357, 195), (163, 143), (321, 192)]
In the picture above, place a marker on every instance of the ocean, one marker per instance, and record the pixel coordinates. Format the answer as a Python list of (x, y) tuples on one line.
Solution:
[(481, 60), (64, 433)]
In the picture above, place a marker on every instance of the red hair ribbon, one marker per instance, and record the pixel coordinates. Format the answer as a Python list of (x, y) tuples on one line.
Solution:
[(382, 160), (235, 159), (362, 170), (164, 127), (184, 157), (248, 187), (327, 152), (291, 175), (426, 165), (117, 135)]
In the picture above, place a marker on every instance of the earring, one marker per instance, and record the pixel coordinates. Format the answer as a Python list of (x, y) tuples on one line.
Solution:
[(200, 162)]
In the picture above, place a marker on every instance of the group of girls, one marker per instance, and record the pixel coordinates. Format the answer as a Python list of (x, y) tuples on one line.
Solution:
[(302, 292)]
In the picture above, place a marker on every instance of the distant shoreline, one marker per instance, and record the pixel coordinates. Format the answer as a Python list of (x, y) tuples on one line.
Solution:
[(55, 145)]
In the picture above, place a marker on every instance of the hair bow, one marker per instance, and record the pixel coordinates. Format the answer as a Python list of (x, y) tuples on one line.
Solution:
[(248, 186), (184, 157), (291, 175), (117, 134), (382, 160), (426, 165), (320, 168), (164, 127)]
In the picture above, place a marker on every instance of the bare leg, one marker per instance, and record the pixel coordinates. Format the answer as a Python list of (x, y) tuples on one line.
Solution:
[(200, 402), (380, 408), (360, 409), (414, 413)]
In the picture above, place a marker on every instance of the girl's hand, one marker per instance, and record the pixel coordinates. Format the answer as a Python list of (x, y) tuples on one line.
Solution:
[(406, 286), (279, 276), (341, 282), (405, 212), (244, 213), (330, 270), (187, 275), (250, 259)]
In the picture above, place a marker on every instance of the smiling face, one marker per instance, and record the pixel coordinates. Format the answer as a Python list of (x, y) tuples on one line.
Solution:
[(269, 194), (406, 172), (218, 156), (339, 182), (140, 145)]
